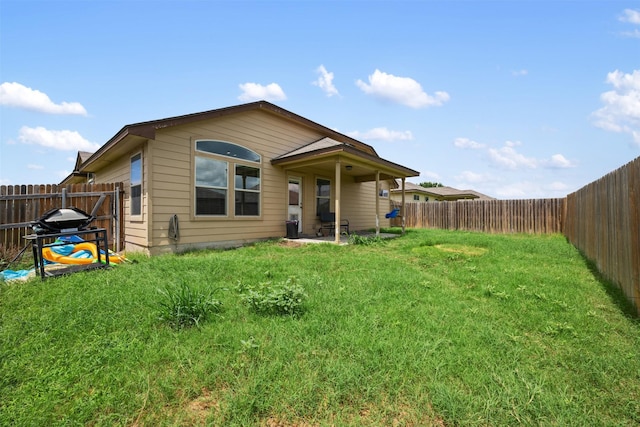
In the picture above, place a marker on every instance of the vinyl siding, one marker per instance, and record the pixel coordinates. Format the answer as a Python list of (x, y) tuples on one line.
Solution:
[(173, 171), (136, 235), (168, 185)]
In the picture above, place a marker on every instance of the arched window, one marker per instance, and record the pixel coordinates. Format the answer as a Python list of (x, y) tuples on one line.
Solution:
[(227, 149)]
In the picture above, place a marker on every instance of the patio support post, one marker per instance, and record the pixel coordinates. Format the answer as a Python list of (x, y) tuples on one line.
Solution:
[(337, 202), (403, 204), (377, 203)]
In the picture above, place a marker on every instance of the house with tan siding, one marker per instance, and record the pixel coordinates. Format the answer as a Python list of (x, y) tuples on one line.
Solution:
[(414, 193), (236, 175)]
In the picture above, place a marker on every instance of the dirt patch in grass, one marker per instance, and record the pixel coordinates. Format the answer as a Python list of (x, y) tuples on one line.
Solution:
[(290, 244), (462, 249), (276, 422), (199, 409)]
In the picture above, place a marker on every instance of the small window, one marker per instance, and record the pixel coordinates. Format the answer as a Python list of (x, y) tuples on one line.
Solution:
[(416, 197), (211, 186), (383, 193), (247, 190), (136, 185), (426, 198), (323, 196)]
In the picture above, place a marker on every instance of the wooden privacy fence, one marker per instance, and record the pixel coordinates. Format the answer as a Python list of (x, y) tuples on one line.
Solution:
[(538, 216), (21, 204), (603, 221)]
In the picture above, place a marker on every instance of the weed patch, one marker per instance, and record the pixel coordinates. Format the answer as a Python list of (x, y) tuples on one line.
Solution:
[(287, 298), (356, 239)]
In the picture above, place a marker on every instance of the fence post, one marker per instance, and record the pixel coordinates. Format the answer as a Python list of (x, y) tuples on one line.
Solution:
[(116, 216)]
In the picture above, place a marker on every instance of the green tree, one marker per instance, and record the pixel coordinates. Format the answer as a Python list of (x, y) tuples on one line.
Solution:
[(431, 184)]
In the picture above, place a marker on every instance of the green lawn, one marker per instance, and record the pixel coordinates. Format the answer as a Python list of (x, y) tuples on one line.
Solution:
[(431, 328)]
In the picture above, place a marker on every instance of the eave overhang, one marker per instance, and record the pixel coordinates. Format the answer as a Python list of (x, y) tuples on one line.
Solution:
[(362, 166)]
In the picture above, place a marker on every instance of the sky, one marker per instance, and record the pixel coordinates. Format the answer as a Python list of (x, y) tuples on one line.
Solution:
[(514, 99)]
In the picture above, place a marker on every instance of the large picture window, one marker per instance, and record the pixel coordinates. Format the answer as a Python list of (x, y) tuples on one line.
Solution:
[(135, 182), (225, 173), (323, 195)]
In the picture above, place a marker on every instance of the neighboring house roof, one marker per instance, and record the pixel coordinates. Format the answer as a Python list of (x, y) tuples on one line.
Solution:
[(480, 195), (441, 193), (334, 143), (80, 159)]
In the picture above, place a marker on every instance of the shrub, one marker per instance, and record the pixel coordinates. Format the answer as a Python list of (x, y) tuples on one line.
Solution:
[(285, 299), (183, 306)]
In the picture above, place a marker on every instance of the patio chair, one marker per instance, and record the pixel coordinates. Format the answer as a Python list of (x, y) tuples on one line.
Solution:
[(328, 222)]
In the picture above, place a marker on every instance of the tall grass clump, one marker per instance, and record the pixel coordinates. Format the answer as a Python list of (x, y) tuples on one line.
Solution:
[(183, 306)]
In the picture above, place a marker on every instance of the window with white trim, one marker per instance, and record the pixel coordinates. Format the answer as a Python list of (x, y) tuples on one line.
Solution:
[(135, 183)]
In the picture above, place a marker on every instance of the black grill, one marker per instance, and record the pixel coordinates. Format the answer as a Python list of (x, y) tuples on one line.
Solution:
[(64, 219)]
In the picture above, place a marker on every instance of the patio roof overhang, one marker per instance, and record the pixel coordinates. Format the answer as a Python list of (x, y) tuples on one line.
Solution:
[(325, 154)]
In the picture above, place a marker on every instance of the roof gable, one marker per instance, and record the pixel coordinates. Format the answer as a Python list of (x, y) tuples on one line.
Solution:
[(147, 130)]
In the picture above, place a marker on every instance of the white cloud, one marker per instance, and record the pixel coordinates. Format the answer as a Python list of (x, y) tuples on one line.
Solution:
[(467, 143), (16, 95), (63, 140), (509, 158), (402, 90), (383, 134), (473, 177), (635, 34), (518, 73), (558, 186), (34, 166), (519, 190), (325, 81), (621, 111), (256, 92), (429, 175), (532, 190), (631, 16), (558, 161)]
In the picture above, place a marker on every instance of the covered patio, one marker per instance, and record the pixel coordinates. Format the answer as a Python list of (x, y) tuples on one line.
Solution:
[(345, 162)]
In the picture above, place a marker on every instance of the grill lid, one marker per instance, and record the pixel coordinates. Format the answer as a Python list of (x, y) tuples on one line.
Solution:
[(64, 219)]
